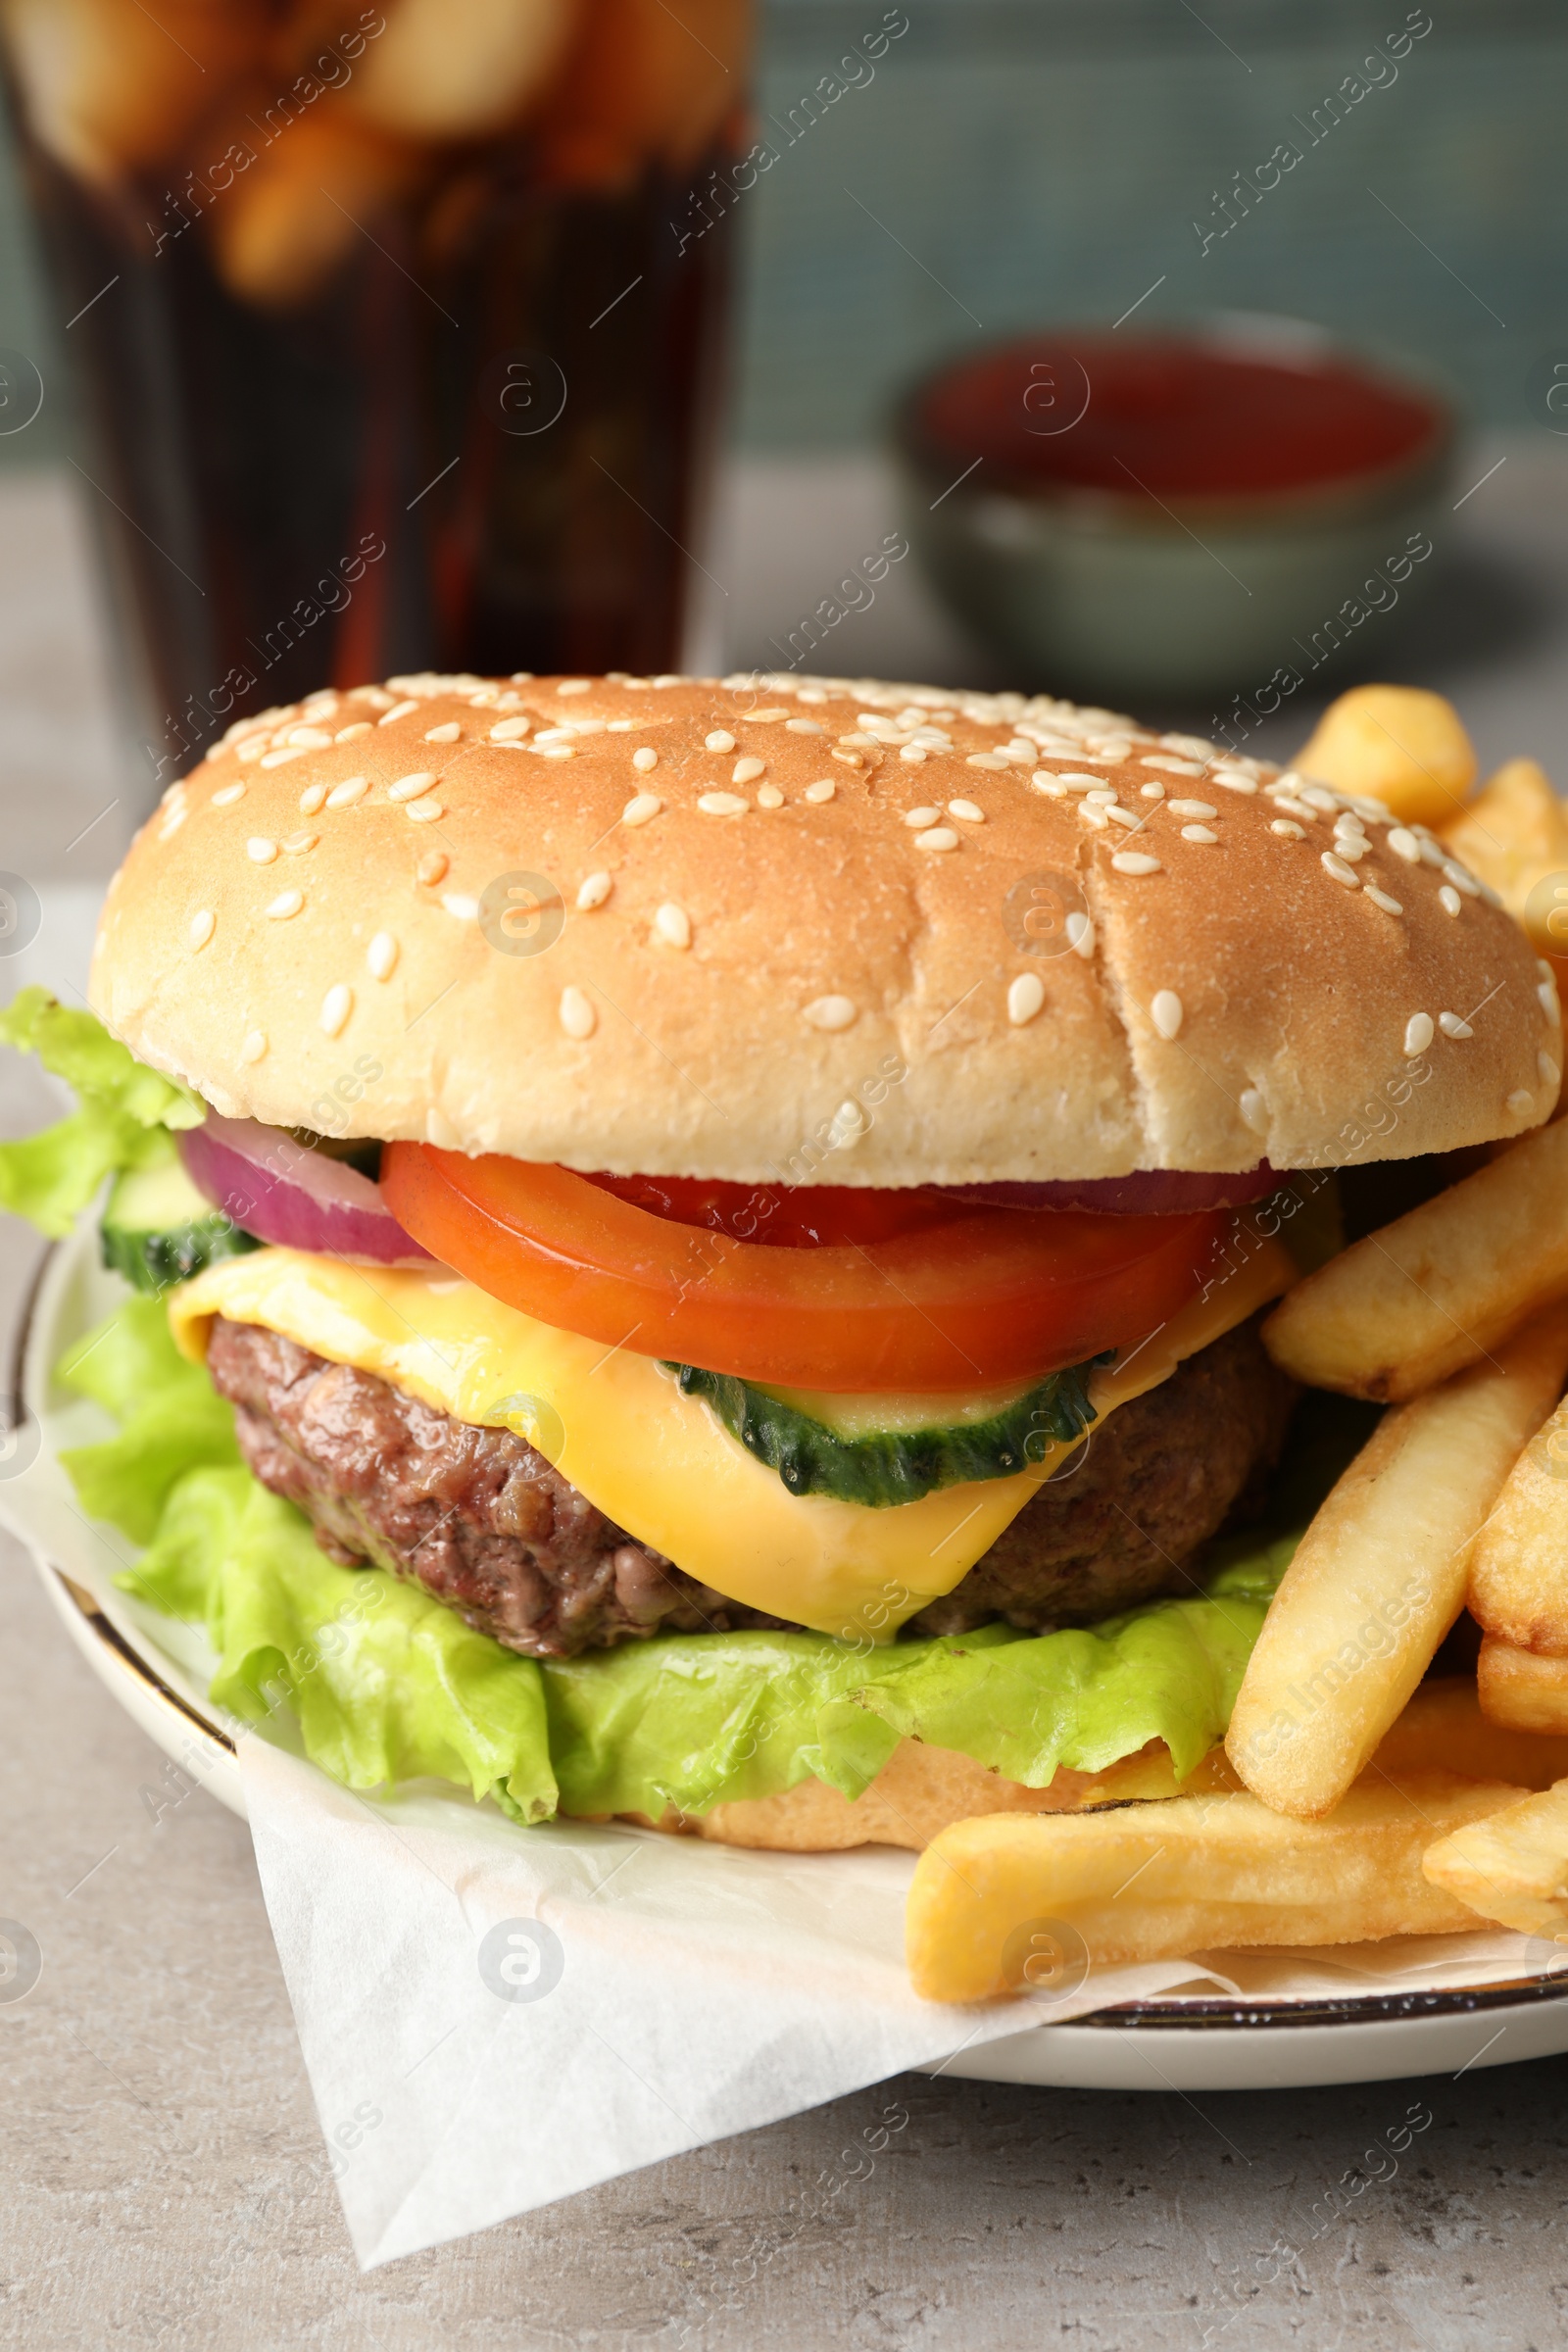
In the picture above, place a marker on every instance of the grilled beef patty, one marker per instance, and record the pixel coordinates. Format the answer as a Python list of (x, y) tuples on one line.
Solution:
[(485, 1524)]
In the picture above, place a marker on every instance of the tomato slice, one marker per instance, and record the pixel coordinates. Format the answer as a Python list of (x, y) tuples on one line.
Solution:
[(987, 1296), (780, 1216)]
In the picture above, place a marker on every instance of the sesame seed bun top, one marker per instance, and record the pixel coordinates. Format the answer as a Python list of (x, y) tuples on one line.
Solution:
[(810, 930)]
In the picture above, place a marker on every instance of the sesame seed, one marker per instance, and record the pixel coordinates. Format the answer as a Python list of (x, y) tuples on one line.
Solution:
[(336, 1006), (767, 718), (645, 759), (802, 726), (850, 759), (638, 810), (202, 927), (1452, 1026), (431, 868), (349, 793), (848, 1123), (410, 788), (1025, 996), (1351, 847), (722, 804), (1192, 809), (921, 817), (1134, 862), (448, 733), (287, 902), (1520, 1103), (915, 754), (309, 739), (380, 957), (969, 812), (824, 789), (1254, 1110), (1234, 779), (593, 891), (229, 795), (1165, 1012), (1094, 818), (464, 909), (1155, 792), (1461, 877), (312, 800), (255, 1047), (747, 771), (936, 838), (768, 796), (574, 685), (1291, 832), (397, 711), (279, 758), (507, 730), (1431, 848), (1173, 767), (1339, 871), (829, 1013), (1550, 1073), (349, 734), (1546, 991), (1080, 935), (1048, 787), (673, 925), (990, 760), (857, 742), (297, 844), (1198, 833), (1450, 901), (576, 1015), (425, 813), (1381, 898), (1125, 816), (252, 748), (1316, 795), (1419, 1033), (718, 741), (260, 850), (1078, 783)]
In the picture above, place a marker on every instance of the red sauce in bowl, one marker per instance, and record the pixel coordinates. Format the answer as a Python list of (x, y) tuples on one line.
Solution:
[(1174, 416)]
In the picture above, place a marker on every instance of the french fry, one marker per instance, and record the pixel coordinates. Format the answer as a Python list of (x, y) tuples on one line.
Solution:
[(1522, 1689), (1512, 1866), (1445, 1730), (989, 1897), (1380, 1575), (1519, 1568), (1438, 1288), (1399, 744), (1512, 834)]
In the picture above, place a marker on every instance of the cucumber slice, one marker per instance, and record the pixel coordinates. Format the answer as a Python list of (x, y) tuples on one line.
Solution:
[(887, 1466), (157, 1229)]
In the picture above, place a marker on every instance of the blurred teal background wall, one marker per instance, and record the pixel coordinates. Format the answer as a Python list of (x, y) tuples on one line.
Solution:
[(1035, 158)]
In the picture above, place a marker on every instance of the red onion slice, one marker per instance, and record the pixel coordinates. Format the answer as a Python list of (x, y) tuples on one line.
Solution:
[(283, 1192), (1148, 1193)]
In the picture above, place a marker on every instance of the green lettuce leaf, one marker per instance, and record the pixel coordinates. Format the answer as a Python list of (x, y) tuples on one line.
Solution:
[(125, 1114), (388, 1685)]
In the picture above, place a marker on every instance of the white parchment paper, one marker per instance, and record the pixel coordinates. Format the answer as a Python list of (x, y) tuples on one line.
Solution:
[(494, 2018)]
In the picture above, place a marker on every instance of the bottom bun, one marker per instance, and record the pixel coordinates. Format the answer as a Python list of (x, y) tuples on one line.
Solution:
[(921, 1791)]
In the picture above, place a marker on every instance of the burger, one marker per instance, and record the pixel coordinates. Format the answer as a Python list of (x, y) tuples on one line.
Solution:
[(697, 1246)]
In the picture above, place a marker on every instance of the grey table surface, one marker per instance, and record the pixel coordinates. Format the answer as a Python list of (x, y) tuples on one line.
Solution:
[(162, 2183)]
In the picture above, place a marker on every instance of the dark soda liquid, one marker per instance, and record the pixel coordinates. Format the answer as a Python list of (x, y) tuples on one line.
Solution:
[(378, 481)]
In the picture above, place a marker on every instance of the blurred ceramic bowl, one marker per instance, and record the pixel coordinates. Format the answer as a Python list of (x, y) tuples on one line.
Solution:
[(1177, 513)]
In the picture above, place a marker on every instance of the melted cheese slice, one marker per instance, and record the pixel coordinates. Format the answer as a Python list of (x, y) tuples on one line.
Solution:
[(657, 1462)]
